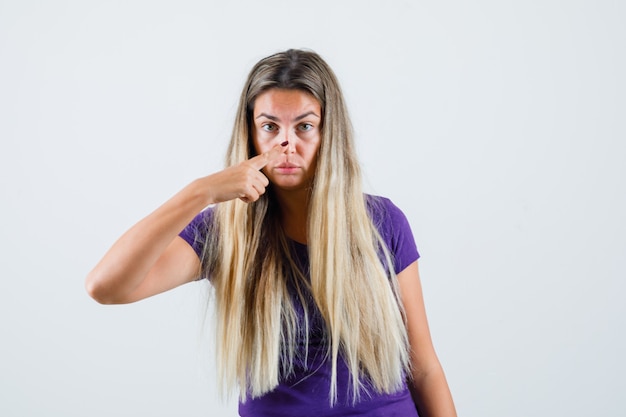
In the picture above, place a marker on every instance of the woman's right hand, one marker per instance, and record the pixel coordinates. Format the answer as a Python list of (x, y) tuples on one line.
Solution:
[(245, 180)]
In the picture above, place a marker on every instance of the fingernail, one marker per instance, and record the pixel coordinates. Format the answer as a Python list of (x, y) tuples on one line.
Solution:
[(285, 143)]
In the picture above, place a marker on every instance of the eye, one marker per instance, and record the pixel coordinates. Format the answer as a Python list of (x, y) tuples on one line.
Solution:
[(268, 127), (305, 127)]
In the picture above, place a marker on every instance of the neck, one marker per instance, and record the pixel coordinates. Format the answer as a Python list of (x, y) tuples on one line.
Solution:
[(294, 206)]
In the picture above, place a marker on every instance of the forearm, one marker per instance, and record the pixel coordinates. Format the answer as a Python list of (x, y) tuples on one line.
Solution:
[(147, 260), (431, 393), (126, 264)]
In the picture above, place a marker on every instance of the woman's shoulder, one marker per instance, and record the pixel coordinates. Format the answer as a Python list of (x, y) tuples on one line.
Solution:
[(393, 226), (388, 218), (203, 219), (196, 232), (382, 209)]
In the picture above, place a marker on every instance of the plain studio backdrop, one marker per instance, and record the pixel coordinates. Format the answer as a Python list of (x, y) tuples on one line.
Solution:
[(498, 127)]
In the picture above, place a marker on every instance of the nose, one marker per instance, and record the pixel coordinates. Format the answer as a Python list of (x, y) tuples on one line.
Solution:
[(292, 138)]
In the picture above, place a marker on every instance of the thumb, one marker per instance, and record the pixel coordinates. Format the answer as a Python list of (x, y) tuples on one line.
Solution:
[(259, 161)]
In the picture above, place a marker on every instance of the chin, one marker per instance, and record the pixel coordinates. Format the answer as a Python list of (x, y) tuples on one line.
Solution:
[(287, 185)]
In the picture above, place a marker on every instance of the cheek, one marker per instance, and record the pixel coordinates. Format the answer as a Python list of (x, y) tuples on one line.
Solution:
[(311, 156), (261, 142)]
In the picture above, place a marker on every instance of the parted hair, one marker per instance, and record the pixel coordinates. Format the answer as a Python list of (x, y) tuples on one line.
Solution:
[(248, 258)]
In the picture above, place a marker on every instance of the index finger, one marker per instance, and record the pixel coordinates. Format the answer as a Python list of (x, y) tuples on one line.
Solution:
[(259, 161)]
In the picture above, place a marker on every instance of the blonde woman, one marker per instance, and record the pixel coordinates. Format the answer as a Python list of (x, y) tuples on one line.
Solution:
[(317, 291)]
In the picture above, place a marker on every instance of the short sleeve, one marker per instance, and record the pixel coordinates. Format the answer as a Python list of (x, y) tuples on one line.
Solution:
[(395, 230), (195, 233)]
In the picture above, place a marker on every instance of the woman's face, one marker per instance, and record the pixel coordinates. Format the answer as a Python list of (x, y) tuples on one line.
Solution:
[(281, 115)]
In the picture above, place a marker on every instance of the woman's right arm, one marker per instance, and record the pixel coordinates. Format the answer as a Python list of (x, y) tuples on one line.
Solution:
[(150, 257)]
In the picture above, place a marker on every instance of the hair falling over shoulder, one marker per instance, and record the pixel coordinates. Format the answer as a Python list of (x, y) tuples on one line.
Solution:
[(248, 259)]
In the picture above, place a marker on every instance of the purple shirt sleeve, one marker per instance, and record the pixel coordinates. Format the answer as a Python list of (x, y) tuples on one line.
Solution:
[(395, 229), (196, 231)]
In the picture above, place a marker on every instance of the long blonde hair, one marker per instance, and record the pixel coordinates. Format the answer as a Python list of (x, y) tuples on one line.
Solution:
[(248, 259)]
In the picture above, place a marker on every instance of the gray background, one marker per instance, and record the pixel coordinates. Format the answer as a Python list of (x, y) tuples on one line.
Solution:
[(498, 127)]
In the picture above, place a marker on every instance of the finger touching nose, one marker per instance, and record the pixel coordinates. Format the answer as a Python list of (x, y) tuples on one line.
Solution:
[(259, 161)]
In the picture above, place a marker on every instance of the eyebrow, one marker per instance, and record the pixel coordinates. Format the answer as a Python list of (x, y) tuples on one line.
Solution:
[(276, 119)]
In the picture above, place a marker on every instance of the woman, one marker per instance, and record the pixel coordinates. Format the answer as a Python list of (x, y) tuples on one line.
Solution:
[(317, 289)]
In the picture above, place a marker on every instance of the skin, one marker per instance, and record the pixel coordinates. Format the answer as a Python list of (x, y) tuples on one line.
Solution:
[(292, 116), (428, 386), (151, 258), (295, 117)]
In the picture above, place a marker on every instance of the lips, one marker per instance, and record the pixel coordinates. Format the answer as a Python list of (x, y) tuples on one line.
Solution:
[(286, 168), (287, 165)]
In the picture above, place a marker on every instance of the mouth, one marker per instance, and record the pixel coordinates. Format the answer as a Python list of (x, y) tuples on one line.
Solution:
[(286, 168), (286, 165)]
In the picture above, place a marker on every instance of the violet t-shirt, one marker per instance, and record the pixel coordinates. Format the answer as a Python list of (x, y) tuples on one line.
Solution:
[(306, 391)]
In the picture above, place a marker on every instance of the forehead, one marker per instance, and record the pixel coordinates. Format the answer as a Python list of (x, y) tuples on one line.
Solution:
[(275, 100)]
